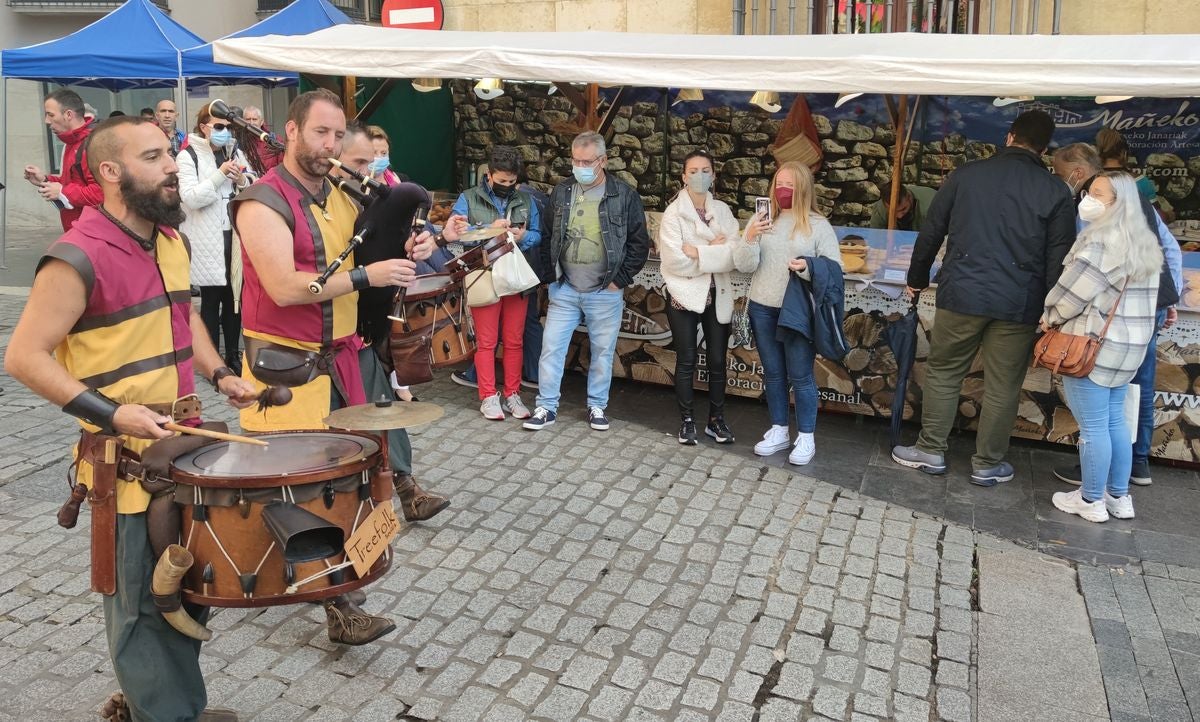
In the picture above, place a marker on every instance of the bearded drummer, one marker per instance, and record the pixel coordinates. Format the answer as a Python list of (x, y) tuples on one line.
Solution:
[(109, 333), (293, 223)]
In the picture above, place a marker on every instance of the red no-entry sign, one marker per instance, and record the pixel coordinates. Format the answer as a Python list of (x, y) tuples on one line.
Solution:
[(412, 14)]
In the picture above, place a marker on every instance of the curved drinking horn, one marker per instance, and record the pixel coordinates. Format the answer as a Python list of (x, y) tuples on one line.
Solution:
[(164, 586)]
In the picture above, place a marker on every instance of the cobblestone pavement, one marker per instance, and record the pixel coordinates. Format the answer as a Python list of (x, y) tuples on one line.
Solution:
[(579, 574), (608, 575)]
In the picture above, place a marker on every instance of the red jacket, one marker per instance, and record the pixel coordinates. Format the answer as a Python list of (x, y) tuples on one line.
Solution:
[(270, 158), (78, 185)]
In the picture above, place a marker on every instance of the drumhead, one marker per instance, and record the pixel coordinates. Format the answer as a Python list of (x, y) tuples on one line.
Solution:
[(429, 282), (288, 453)]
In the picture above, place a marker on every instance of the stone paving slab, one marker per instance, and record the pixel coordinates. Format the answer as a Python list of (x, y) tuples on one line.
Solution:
[(1147, 632), (1033, 627)]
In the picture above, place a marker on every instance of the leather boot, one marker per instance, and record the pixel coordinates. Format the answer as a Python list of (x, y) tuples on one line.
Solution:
[(217, 715), (114, 709), (348, 624), (417, 504)]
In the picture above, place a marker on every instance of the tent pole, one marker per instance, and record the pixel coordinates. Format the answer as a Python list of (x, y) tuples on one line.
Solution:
[(4, 176), (898, 162)]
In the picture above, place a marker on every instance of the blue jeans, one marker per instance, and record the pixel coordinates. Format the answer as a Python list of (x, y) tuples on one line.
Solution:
[(783, 363), (1144, 378), (532, 343), (1105, 453), (532, 340), (601, 311)]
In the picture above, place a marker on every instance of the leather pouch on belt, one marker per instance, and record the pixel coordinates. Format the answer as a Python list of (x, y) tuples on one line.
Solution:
[(283, 366)]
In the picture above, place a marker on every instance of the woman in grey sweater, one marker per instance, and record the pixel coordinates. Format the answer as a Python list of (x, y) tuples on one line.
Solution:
[(1115, 262), (774, 251)]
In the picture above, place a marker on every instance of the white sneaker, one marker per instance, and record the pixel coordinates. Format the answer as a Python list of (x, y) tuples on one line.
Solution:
[(1072, 503), (1119, 506), (491, 408), (515, 407), (776, 439), (804, 450)]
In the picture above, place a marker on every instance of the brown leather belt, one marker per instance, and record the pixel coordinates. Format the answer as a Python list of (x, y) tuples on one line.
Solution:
[(129, 463)]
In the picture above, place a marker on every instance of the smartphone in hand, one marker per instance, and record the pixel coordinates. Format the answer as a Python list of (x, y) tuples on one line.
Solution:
[(762, 205)]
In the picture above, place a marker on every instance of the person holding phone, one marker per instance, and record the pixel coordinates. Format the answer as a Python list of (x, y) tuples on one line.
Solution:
[(696, 238), (497, 201), (774, 251), (212, 169)]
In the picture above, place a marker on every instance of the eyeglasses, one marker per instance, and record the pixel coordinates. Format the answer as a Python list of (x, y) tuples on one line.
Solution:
[(220, 126), (586, 163)]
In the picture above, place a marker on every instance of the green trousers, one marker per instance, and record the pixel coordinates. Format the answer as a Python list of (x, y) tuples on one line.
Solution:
[(1005, 347), (157, 667), (376, 386)]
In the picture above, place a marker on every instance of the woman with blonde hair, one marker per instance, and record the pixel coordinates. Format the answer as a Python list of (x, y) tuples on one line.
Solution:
[(1114, 264), (774, 250)]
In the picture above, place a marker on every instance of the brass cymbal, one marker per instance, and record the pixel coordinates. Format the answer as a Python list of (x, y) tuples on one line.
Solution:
[(481, 234), (384, 415)]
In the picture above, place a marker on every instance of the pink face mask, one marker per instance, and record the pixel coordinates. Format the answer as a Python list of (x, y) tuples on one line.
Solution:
[(783, 196)]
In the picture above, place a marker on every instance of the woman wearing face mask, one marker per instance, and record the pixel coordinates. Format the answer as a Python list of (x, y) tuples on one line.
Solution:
[(211, 171), (696, 239), (774, 252), (380, 167), (1114, 263)]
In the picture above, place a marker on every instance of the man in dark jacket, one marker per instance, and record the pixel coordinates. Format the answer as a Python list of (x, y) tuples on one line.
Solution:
[(596, 242), (1008, 223)]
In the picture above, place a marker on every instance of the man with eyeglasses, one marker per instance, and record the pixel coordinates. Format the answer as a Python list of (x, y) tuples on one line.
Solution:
[(595, 243)]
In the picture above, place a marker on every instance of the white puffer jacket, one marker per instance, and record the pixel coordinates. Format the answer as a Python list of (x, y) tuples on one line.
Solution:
[(205, 193), (688, 279)]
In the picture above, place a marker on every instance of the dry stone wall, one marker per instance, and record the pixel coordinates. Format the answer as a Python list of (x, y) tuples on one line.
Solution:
[(649, 141)]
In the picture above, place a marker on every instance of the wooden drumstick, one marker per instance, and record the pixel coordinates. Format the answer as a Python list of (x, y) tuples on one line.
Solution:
[(219, 435)]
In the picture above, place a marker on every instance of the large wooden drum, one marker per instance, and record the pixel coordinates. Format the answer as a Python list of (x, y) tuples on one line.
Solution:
[(224, 489)]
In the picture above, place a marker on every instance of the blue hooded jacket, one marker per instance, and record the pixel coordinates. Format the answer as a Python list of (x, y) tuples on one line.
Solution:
[(815, 309)]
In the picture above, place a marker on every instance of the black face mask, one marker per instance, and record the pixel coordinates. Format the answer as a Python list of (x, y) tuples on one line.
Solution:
[(503, 191)]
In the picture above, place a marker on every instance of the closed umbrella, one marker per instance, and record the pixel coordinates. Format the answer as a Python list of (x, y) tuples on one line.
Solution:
[(901, 336)]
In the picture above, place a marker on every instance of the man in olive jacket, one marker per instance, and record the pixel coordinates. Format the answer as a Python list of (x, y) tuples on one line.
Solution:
[(1008, 223), (595, 243)]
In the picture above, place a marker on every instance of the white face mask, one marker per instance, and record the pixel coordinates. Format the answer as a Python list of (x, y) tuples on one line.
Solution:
[(1091, 209)]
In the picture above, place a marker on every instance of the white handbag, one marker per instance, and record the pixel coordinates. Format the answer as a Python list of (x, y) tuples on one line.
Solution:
[(512, 274)]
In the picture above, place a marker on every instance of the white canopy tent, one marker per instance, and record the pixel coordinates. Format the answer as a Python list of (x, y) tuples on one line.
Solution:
[(898, 63)]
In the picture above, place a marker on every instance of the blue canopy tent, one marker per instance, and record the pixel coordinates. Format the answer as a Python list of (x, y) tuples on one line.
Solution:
[(135, 46), (299, 18)]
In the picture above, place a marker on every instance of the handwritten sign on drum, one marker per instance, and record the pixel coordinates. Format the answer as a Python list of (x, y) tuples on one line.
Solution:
[(372, 538)]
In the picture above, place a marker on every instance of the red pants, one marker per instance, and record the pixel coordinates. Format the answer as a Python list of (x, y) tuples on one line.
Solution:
[(509, 311)]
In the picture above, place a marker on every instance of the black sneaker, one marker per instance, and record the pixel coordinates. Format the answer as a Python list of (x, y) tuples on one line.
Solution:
[(596, 419), (1140, 474), (1070, 474), (687, 432), (461, 379), (719, 430)]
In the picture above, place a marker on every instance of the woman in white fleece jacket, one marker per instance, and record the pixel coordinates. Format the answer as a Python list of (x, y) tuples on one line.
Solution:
[(695, 243), (775, 252), (211, 170)]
